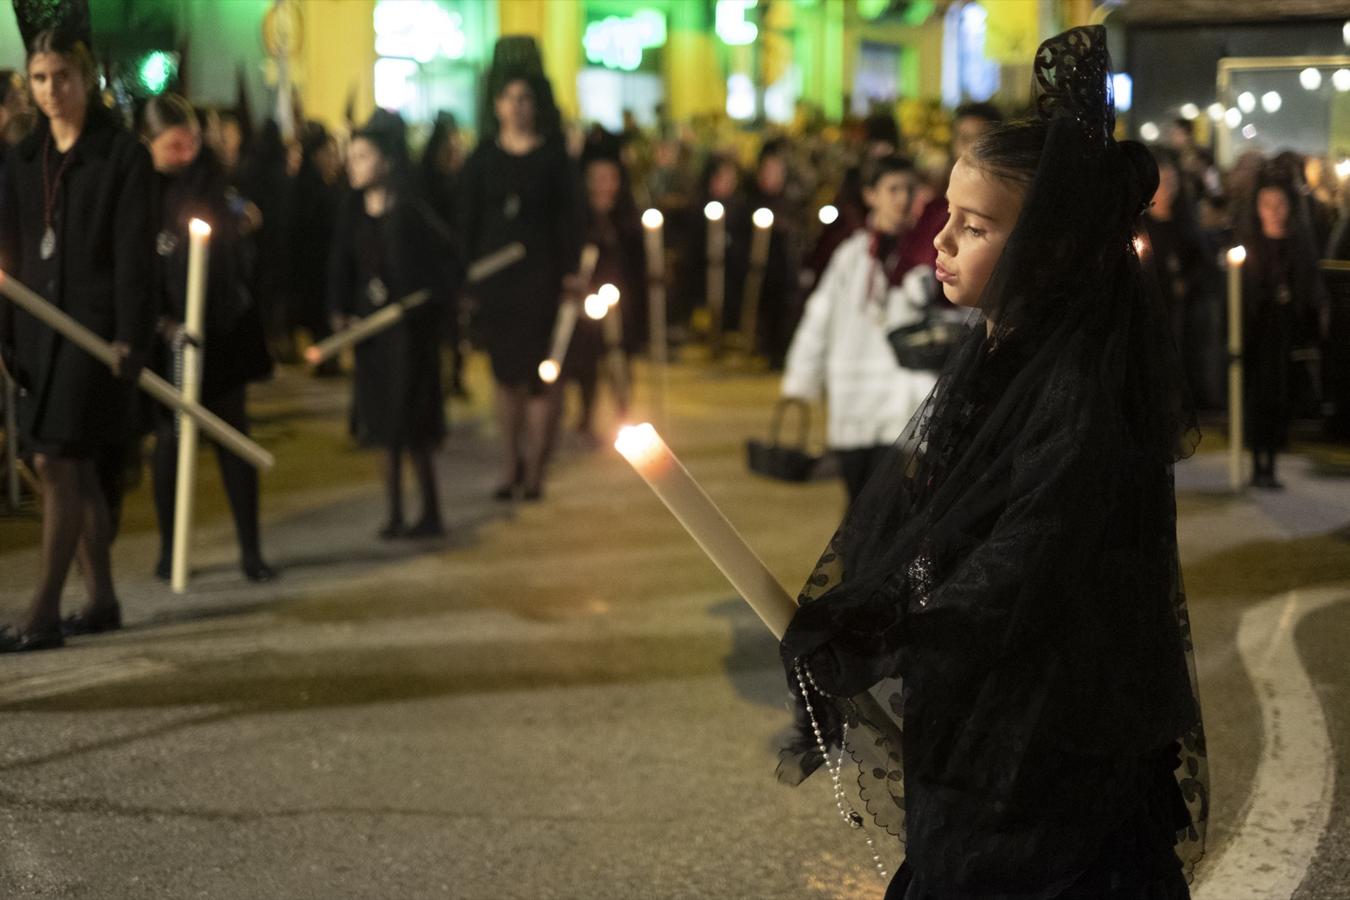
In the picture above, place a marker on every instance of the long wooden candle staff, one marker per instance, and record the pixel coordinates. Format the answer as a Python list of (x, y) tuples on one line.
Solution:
[(1236, 257), (59, 321), (649, 455), (199, 236)]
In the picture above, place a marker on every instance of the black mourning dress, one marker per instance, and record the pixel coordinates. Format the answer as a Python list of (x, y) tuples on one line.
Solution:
[(530, 199), (396, 396), (998, 631)]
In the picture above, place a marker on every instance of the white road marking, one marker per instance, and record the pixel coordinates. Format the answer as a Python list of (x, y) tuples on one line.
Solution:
[(1290, 802), (66, 681)]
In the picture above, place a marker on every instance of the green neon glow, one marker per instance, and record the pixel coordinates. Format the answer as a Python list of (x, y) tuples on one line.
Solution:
[(617, 42), (156, 71)]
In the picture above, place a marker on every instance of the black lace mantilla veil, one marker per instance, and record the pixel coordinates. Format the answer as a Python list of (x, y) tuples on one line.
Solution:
[(1006, 593)]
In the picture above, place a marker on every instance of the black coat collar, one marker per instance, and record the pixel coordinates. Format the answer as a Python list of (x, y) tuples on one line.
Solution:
[(100, 128)]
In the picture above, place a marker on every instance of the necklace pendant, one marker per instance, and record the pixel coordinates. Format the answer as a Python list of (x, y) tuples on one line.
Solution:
[(48, 246), (377, 292)]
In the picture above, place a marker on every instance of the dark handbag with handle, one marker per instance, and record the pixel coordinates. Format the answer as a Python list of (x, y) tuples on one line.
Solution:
[(784, 463)]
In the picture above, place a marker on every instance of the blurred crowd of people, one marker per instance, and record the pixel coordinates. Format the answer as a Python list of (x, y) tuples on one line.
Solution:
[(313, 230)]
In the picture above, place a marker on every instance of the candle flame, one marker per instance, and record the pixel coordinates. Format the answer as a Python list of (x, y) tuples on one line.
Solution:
[(714, 211), (312, 354), (828, 215), (199, 228), (549, 371), (1237, 255), (596, 307), (638, 443), (763, 217), (1343, 169), (652, 218), (608, 293)]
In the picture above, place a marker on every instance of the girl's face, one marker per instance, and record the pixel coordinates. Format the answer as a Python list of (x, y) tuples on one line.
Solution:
[(58, 87), (889, 200), (515, 107), (603, 182), (365, 165), (723, 182), (1272, 207), (174, 149), (983, 209)]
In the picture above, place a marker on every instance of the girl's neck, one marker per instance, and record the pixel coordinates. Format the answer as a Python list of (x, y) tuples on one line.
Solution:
[(66, 130), (517, 142), (377, 201)]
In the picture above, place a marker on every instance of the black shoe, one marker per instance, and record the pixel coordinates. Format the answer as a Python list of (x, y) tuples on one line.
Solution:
[(391, 530), (164, 569), (48, 638), (257, 571), (98, 621), (426, 528), (504, 494), (534, 494)]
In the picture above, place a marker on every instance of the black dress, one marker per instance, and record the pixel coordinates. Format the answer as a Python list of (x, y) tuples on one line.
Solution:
[(397, 400), (100, 273), (531, 199)]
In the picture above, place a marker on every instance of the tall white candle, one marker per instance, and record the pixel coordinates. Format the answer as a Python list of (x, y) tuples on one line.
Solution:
[(618, 362), (754, 282), (563, 326), (1236, 256), (199, 235), (717, 283), (365, 328), (668, 478), (653, 224)]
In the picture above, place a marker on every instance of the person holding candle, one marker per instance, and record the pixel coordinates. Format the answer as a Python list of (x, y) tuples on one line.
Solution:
[(720, 182), (191, 185), (518, 185), (1282, 297), (75, 224), (841, 346), (1004, 601), (384, 249)]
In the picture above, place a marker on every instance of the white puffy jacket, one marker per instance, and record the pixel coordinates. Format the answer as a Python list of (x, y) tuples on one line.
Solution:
[(840, 348)]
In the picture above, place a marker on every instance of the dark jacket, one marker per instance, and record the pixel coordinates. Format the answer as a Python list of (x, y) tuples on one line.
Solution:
[(101, 274), (235, 349)]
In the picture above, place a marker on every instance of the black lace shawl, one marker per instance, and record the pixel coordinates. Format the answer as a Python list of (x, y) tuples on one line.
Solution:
[(1001, 618)]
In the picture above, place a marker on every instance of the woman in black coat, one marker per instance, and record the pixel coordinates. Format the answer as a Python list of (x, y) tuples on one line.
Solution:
[(76, 225), (192, 185), (384, 250)]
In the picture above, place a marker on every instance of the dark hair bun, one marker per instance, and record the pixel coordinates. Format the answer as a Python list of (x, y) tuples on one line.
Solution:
[(1141, 176)]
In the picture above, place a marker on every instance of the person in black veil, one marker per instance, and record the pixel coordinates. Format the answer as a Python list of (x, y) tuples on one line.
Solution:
[(1283, 295), (518, 185), (997, 634), (318, 194), (441, 162), (384, 249)]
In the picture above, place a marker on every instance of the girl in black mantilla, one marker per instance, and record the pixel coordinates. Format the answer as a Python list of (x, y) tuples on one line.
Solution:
[(442, 160), (383, 251), (518, 185), (76, 225), (1283, 295), (1001, 612), (192, 185)]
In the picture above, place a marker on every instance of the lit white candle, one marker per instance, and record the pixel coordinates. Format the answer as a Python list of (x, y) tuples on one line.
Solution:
[(563, 326), (828, 214), (717, 283), (1236, 257), (199, 236), (618, 363), (653, 223), (672, 483), (754, 282), (364, 328)]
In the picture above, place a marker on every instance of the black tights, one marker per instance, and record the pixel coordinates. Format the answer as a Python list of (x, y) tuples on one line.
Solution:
[(240, 479), (424, 469), (1263, 462)]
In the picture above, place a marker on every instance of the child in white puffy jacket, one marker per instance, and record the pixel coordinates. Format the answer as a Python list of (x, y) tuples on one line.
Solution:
[(841, 345)]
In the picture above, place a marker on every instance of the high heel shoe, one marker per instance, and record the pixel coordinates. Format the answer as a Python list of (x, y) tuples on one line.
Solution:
[(93, 621), (46, 638)]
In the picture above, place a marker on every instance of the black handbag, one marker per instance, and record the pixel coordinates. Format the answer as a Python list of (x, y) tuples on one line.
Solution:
[(784, 463), (924, 345)]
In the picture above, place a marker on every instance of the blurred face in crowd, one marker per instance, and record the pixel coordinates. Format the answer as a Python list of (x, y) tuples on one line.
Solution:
[(723, 182), (366, 166), (966, 131), (983, 209), (174, 149), (328, 162), (772, 176), (1168, 183), (889, 201), (58, 86), (515, 107), (1178, 138), (231, 143), (1272, 208), (603, 183), (16, 100)]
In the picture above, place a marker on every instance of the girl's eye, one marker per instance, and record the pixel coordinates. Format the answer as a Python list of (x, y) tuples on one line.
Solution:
[(974, 232)]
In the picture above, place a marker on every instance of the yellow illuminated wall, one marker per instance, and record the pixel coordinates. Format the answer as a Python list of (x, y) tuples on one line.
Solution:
[(337, 58)]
